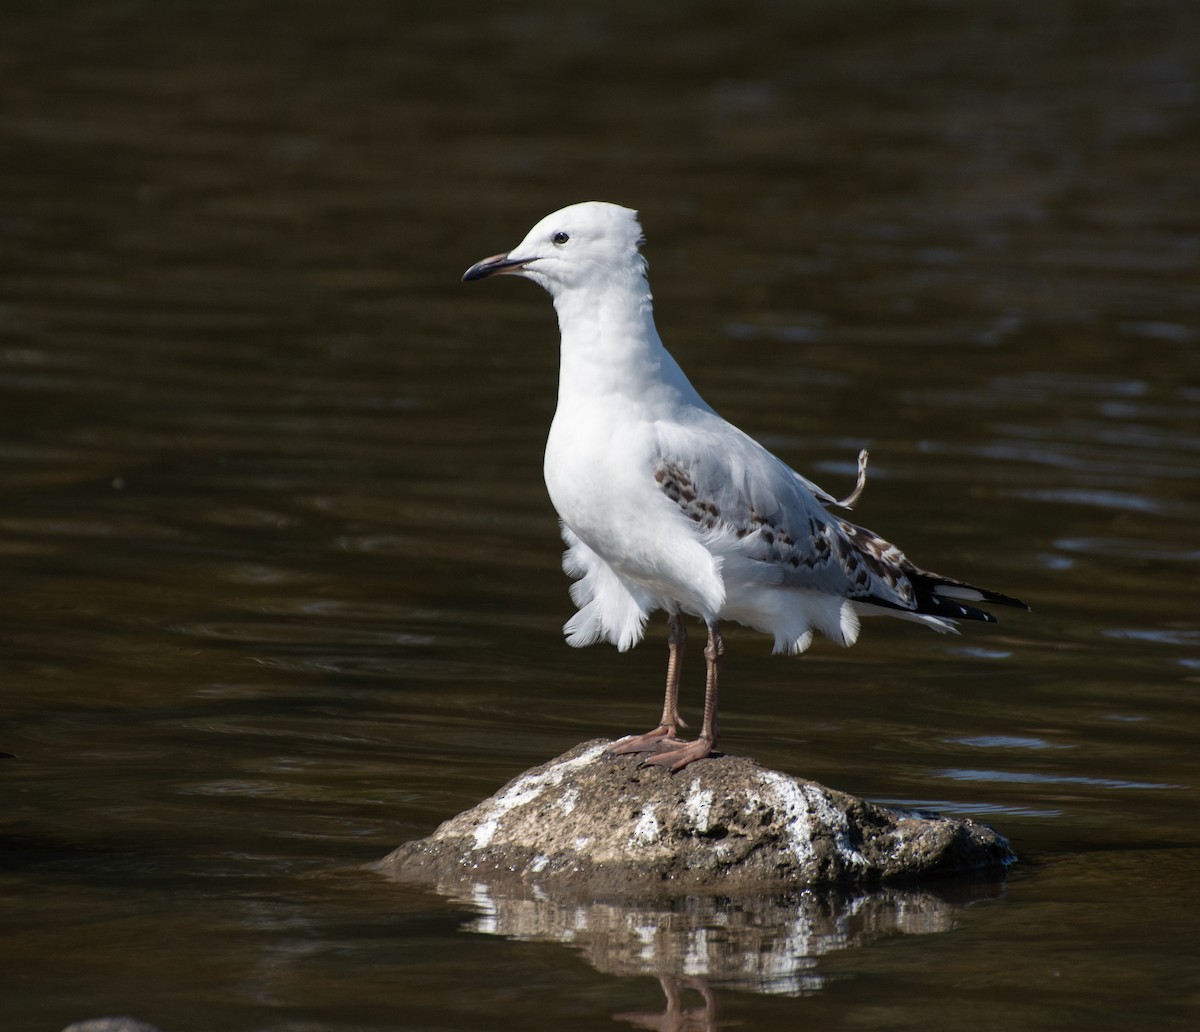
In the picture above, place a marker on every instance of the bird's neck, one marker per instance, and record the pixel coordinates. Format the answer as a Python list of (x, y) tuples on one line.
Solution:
[(610, 345)]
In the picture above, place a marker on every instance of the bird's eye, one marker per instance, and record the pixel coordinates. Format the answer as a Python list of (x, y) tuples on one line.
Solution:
[(560, 238)]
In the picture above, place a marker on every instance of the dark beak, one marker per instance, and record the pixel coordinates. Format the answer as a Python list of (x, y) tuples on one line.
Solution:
[(494, 266)]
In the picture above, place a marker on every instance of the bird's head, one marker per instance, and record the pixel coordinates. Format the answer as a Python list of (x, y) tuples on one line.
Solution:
[(588, 246)]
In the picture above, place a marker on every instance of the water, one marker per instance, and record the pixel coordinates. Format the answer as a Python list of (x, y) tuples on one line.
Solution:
[(281, 582)]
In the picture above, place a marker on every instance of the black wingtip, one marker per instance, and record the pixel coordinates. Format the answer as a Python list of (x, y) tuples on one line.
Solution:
[(952, 609), (942, 596), (996, 598)]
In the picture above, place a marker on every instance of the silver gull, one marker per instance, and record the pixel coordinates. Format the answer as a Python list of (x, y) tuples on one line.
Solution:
[(665, 505)]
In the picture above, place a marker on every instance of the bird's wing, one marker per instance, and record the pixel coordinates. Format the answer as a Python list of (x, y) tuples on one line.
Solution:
[(728, 484)]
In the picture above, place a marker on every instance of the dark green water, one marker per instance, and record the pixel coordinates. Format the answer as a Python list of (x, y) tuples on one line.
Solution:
[(280, 580)]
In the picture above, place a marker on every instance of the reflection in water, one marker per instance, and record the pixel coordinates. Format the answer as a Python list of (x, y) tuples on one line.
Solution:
[(677, 1018), (960, 774), (766, 945)]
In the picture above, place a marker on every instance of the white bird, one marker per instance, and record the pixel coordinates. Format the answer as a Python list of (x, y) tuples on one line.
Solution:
[(665, 505)]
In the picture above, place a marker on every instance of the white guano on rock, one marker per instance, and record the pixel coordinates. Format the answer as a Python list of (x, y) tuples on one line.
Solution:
[(599, 825)]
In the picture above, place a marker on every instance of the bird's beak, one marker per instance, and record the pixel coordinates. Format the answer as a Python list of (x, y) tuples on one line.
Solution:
[(494, 266)]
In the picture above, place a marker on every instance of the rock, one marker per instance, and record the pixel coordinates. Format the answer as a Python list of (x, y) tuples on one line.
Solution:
[(595, 825)]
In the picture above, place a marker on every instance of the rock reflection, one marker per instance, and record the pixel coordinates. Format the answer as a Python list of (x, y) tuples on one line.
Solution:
[(767, 945)]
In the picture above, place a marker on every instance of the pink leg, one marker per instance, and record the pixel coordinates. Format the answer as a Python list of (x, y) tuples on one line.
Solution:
[(688, 752), (663, 735)]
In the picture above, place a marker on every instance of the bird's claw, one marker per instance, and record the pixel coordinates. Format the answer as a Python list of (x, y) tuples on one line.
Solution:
[(662, 737), (677, 758)]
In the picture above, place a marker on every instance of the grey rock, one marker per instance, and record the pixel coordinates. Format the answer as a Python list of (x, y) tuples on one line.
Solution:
[(594, 825)]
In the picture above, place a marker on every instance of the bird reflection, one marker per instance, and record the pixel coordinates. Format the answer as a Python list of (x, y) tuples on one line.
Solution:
[(677, 1018)]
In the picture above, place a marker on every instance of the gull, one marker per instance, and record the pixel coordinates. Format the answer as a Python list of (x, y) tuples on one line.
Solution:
[(666, 506)]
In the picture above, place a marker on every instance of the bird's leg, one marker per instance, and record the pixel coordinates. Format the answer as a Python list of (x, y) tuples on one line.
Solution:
[(713, 652), (676, 643), (671, 721), (689, 752)]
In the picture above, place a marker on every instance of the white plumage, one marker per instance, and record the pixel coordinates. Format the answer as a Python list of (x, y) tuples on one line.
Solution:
[(665, 505)]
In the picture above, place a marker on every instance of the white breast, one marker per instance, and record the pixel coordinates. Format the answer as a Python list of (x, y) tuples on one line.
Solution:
[(599, 473)]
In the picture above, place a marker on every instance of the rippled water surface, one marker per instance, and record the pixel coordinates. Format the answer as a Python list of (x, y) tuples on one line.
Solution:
[(281, 583)]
